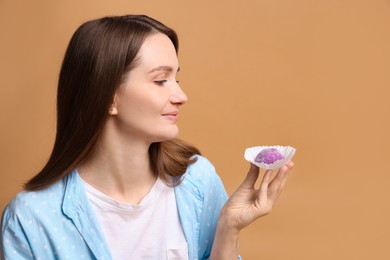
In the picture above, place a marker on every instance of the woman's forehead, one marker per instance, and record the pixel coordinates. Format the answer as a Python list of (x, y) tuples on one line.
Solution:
[(158, 53)]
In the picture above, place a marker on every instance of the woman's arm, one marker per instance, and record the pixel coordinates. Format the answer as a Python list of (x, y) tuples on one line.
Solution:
[(244, 206), (13, 242)]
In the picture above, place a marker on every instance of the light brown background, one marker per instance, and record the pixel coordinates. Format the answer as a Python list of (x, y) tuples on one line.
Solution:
[(311, 74)]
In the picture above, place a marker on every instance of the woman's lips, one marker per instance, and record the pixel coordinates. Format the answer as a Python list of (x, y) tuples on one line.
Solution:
[(172, 115)]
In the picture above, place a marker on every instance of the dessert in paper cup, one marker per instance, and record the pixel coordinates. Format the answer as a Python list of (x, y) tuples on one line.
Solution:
[(269, 157)]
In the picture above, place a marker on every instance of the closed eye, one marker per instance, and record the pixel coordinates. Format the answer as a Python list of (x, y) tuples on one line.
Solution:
[(160, 82)]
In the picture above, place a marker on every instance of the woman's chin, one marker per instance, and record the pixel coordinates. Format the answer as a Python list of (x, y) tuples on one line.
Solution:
[(168, 135)]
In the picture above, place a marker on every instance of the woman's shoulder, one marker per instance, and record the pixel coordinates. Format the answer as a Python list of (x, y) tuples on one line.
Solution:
[(202, 173), (202, 168), (40, 201)]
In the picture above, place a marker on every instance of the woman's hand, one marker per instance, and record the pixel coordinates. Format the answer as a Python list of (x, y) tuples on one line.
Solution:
[(244, 206), (247, 203)]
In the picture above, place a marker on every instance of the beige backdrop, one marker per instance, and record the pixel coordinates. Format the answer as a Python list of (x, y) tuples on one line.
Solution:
[(311, 74)]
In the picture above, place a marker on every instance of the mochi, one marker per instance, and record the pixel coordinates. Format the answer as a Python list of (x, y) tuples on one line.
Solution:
[(269, 156)]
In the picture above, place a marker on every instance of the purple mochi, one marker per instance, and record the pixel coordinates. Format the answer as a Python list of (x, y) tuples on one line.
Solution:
[(269, 156)]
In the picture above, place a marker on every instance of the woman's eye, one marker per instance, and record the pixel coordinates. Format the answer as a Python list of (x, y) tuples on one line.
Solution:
[(160, 82)]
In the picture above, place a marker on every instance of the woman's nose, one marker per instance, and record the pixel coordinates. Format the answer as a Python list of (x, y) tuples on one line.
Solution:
[(179, 97)]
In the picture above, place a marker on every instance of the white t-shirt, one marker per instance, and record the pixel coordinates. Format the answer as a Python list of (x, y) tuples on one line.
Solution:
[(149, 230)]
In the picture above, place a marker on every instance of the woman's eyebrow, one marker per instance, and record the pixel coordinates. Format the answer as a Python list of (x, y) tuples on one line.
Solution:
[(165, 68)]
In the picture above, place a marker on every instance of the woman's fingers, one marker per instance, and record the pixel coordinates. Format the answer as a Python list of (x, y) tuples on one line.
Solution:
[(251, 177), (276, 186), (263, 189), (289, 166)]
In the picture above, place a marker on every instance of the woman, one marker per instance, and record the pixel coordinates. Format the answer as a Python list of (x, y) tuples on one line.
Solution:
[(118, 184)]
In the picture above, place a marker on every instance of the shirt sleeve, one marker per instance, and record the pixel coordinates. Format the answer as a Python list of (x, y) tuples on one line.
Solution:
[(13, 242), (215, 197)]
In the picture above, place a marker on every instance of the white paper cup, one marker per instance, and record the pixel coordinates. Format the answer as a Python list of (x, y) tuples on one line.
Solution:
[(287, 151)]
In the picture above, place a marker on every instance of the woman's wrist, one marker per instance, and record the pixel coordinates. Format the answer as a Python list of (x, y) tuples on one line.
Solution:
[(226, 241), (226, 226)]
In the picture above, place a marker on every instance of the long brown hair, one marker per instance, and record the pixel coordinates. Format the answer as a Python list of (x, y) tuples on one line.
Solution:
[(98, 56)]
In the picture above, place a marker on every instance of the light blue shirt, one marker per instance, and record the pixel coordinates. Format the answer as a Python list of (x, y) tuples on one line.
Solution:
[(58, 222)]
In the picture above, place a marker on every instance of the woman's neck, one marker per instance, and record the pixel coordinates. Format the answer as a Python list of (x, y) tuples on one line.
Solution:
[(121, 169)]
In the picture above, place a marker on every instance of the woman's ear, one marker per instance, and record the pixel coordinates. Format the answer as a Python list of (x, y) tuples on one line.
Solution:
[(113, 109)]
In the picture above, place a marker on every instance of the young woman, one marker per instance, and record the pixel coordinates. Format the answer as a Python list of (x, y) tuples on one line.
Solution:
[(118, 184)]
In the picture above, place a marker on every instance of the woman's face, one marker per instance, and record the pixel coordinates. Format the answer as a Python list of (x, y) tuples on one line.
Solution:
[(146, 106)]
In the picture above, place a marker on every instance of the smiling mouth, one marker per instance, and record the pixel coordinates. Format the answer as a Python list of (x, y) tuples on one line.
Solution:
[(172, 116)]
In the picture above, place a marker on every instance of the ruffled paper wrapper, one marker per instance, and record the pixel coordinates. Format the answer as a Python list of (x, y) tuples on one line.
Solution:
[(287, 151)]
